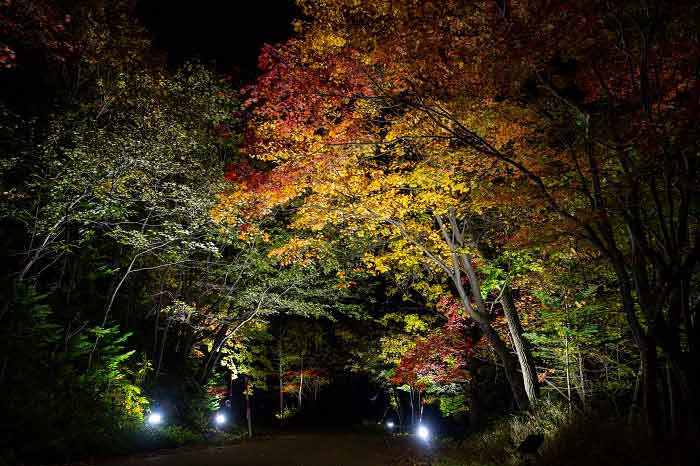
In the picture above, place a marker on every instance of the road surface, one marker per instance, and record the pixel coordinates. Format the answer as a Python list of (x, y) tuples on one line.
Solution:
[(294, 450)]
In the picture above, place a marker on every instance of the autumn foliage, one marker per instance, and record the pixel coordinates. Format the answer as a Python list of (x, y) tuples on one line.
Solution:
[(453, 131), (443, 356)]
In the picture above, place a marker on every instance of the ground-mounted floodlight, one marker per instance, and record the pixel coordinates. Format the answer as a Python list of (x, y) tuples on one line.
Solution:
[(220, 419), (154, 419), (390, 425), (423, 433)]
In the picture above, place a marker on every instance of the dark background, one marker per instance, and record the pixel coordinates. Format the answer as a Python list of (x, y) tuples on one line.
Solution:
[(225, 33)]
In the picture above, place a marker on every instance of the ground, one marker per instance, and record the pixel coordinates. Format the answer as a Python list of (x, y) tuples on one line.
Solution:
[(308, 449)]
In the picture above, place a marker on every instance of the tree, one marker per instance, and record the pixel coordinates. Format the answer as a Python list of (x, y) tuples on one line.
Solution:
[(436, 364), (109, 172), (560, 115), (584, 346), (398, 190)]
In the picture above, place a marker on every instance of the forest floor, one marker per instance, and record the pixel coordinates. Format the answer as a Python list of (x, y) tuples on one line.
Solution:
[(305, 449)]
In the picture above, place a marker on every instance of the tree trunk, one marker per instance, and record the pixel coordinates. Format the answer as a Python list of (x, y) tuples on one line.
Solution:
[(162, 348), (281, 378), (646, 346), (582, 380), (500, 348), (568, 371), (475, 417), (650, 397), (670, 402), (3, 368), (301, 380), (509, 365), (398, 406), (248, 413), (634, 406), (420, 408), (522, 349)]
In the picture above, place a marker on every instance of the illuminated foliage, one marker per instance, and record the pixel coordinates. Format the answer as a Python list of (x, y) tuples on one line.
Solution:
[(403, 122)]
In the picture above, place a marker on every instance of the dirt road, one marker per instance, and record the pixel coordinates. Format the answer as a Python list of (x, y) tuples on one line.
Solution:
[(295, 450)]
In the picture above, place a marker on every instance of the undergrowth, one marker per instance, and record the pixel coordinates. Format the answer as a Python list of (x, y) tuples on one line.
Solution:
[(578, 439)]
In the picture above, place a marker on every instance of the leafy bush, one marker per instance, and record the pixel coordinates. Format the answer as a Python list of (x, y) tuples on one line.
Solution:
[(173, 436), (287, 413), (67, 398), (497, 444), (200, 406)]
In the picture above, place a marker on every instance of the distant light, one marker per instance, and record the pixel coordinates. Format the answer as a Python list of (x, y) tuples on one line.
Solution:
[(220, 419), (390, 424), (154, 419), (423, 432)]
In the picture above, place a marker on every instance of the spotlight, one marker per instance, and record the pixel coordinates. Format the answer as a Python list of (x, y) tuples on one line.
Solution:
[(154, 419), (220, 419), (423, 433), (390, 424)]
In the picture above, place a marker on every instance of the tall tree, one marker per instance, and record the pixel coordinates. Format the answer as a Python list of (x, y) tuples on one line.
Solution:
[(591, 128)]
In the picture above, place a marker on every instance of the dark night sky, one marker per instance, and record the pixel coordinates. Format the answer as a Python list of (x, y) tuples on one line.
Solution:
[(227, 32)]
